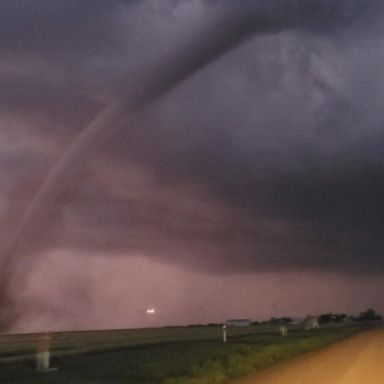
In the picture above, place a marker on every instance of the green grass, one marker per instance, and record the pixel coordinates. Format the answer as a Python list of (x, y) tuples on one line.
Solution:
[(86, 341), (163, 356)]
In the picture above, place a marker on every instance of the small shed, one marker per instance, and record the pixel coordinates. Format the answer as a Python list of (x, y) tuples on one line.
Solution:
[(311, 322)]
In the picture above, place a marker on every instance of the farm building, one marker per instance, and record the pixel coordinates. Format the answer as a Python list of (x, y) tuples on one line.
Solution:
[(311, 322), (239, 322)]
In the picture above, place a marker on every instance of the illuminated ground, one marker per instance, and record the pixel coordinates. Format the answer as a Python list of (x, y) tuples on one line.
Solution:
[(358, 360)]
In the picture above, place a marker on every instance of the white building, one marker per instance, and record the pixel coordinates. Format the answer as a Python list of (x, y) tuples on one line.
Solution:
[(239, 322), (311, 322)]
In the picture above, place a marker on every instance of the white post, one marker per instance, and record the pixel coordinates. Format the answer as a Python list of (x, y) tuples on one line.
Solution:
[(224, 333), (43, 353)]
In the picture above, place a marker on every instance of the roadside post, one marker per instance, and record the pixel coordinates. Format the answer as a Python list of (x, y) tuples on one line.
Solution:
[(224, 333), (43, 353)]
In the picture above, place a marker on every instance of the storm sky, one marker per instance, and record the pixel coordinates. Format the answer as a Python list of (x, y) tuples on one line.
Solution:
[(241, 177)]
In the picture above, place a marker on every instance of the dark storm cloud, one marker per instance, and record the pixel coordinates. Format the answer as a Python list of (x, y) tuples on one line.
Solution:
[(267, 159), (54, 27), (30, 95)]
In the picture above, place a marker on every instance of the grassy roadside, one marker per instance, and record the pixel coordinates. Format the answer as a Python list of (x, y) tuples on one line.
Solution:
[(178, 362), (22, 345), (251, 355)]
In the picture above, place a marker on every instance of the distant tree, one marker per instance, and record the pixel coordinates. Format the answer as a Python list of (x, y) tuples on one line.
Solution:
[(338, 318), (331, 317), (369, 315), (280, 320), (326, 318)]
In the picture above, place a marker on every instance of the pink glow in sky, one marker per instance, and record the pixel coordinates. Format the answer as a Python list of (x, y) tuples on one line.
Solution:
[(102, 293)]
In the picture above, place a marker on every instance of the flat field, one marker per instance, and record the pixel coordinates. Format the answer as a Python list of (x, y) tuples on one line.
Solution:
[(174, 355)]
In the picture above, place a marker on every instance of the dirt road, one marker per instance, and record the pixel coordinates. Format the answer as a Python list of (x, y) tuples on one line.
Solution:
[(358, 360)]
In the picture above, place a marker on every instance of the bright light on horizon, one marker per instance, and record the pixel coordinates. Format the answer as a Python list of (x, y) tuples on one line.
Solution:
[(151, 311)]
